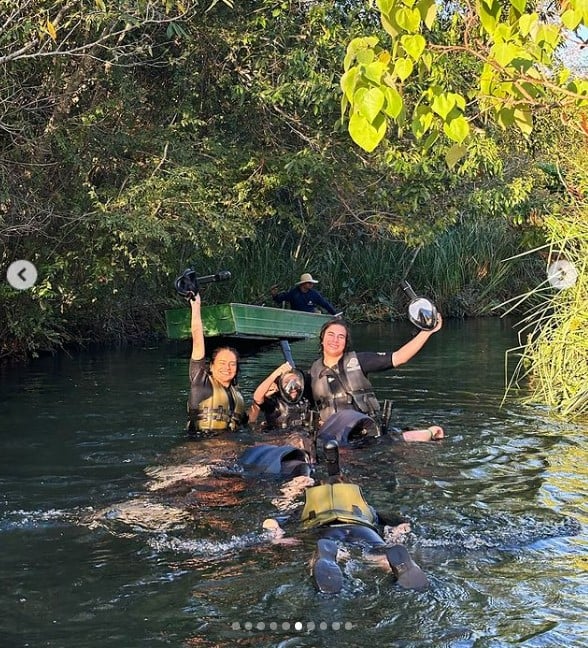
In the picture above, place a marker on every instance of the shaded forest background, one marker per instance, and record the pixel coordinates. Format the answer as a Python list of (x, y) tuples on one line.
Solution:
[(140, 138)]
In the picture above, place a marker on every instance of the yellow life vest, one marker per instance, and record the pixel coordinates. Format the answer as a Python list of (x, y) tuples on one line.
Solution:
[(215, 412), (331, 503)]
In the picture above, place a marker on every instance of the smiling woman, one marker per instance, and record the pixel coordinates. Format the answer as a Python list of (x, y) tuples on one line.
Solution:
[(215, 404)]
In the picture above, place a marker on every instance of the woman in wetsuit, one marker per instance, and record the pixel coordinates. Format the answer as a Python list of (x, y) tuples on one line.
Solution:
[(215, 404)]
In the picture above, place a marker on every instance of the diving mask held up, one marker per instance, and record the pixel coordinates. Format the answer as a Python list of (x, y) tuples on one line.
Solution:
[(188, 283), (422, 313)]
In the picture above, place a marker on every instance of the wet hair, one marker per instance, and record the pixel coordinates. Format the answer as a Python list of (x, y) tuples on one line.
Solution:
[(234, 352), (330, 323)]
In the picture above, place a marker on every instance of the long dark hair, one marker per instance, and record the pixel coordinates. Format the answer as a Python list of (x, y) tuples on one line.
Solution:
[(341, 322), (234, 352)]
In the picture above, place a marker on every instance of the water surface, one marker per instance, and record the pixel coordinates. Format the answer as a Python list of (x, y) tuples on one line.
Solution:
[(498, 510)]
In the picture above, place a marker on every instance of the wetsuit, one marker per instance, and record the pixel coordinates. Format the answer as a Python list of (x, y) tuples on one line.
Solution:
[(212, 408), (280, 415), (347, 386)]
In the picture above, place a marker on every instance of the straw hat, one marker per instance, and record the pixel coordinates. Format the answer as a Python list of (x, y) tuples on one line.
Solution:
[(306, 278)]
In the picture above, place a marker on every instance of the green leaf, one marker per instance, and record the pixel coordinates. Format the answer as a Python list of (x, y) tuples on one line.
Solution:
[(422, 121), (369, 102), (394, 102), (571, 18), (489, 14), (385, 5), (428, 11), (403, 68), (457, 129), (414, 45), (504, 53), (432, 137), (519, 5), (526, 22), (408, 19), (454, 154), (349, 82), (356, 46), (365, 56), (505, 117), (443, 104), (524, 120), (364, 134), (390, 25), (374, 71)]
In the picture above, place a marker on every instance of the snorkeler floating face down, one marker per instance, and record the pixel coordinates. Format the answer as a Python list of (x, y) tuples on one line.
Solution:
[(224, 366)]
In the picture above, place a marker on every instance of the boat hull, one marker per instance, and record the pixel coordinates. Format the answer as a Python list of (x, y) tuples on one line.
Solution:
[(246, 321)]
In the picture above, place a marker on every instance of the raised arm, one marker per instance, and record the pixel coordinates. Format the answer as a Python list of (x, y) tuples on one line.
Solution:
[(198, 348), (262, 389), (410, 349)]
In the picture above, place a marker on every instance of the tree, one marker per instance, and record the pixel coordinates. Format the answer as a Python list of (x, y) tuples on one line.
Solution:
[(509, 55)]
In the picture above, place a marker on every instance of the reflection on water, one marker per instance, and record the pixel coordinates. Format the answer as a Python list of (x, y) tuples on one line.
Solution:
[(116, 531)]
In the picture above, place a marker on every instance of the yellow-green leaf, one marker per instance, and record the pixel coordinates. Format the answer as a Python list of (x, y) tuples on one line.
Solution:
[(524, 120), (454, 154), (489, 15), (428, 11), (457, 129), (408, 19), (519, 5), (571, 18), (403, 68), (526, 22), (504, 53), (374, 71), (368, 102), (414, 45), (349, 82), (365, 56), (422, 121), (443, 104), (364, 134), (394, 102)]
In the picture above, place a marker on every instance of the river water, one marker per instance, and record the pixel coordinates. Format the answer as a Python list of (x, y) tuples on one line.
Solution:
[(498, 510)]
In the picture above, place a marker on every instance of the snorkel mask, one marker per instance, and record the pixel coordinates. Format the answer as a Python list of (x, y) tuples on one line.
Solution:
[(422, 313), (291, 386), (188, 283)]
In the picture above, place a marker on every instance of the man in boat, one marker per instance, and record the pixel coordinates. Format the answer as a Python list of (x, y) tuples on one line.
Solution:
[(303, 296), (215, 404), (339, 513), (342, 392)]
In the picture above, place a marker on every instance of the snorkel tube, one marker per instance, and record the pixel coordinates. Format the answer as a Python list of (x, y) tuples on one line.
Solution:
[(188, 283), (422, 313)]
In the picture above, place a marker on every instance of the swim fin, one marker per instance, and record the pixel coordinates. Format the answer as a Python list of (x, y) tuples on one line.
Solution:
[(408, 573), (327, 573)]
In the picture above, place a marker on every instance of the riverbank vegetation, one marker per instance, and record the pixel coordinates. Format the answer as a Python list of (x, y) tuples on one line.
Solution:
[(140, 138)]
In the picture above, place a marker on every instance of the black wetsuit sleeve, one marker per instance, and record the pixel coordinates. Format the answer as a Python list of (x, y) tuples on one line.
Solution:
[(200, 387), (370, 361)]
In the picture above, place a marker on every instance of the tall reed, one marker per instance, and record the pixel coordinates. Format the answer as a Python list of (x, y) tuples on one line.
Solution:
[(553, 351)]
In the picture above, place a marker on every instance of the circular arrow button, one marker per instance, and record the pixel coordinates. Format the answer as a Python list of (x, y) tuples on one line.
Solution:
[(21, 274)]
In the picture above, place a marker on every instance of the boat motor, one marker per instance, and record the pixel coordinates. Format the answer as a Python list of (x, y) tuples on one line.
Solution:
[(188, 283), (421, 310)]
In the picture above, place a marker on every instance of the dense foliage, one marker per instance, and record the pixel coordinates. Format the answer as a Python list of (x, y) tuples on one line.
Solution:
[(140, 137)]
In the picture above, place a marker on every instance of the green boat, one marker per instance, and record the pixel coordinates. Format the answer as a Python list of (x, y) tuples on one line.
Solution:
[(246, 322)]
